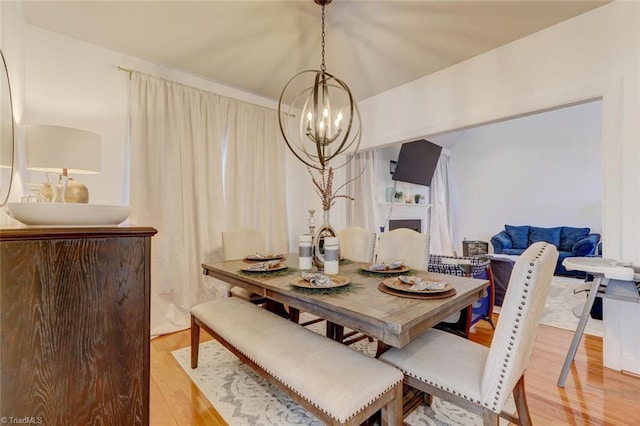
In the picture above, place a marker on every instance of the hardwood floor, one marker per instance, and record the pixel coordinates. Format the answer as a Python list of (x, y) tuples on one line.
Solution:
[(593, 395)]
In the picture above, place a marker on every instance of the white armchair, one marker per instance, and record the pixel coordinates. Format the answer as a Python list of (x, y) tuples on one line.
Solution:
[(476, 377)]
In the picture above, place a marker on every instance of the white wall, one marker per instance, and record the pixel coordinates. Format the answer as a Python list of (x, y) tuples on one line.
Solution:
[(544, 170), (76, 84), (71, 83), (594, 55)]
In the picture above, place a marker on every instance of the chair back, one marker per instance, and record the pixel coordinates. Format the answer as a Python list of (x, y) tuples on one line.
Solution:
[(404, 244), (239, 242), (518, 323), (357, 244), (446, 265)]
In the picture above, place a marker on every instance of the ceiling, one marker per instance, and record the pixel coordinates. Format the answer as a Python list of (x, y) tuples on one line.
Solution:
[(258, 45)]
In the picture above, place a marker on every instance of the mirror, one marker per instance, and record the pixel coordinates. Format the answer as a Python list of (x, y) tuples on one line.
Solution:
[(6, 133)]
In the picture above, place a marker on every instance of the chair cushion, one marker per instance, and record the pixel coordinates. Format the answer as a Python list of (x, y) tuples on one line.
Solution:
[(548, 235), (519, 236), (443, 360), (569, 236)]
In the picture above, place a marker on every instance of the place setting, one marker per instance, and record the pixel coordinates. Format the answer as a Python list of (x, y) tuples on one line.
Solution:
[(264, 264), (389, 267), (263, 257), (415, 287), (319, 283)]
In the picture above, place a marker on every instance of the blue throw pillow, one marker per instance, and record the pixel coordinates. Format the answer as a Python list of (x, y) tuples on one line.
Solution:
[(519, 236), (549, 235), (569, 236)]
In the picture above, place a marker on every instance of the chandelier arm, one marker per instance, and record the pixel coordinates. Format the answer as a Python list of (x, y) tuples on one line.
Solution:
[(316, 115), (356, 138), (345, 137)]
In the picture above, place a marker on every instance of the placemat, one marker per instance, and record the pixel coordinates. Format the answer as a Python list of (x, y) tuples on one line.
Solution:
[(383, 288)]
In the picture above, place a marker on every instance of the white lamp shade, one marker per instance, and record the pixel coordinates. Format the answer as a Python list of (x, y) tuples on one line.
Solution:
[(52, 148)]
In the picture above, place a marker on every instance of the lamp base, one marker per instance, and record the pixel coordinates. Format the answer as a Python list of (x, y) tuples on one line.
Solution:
[(75, 192)]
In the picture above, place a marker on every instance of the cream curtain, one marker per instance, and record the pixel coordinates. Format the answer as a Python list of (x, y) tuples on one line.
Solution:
[(177, 177), (363, 211), (441, 211), (255, 178)]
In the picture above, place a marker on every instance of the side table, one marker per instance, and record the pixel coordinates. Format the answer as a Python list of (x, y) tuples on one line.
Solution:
[(602, 270)]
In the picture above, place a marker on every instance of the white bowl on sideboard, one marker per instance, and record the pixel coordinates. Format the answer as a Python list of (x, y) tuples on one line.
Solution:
[(67, 214)]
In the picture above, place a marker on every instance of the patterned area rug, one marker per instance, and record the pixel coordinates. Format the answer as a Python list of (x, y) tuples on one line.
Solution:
[(561, 302), (243, 398)]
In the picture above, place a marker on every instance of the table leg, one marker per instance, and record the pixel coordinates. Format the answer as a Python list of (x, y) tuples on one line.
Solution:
[(294, 315), (335, 331), (577, 336)]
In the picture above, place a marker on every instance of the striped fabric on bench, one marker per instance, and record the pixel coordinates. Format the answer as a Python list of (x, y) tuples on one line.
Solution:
[(339, 385)]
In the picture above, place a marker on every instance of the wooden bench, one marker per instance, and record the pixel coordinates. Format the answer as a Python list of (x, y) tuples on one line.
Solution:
[(337, 384)]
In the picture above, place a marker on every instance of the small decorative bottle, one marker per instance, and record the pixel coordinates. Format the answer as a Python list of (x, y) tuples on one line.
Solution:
[(305, 252), (331, 256)]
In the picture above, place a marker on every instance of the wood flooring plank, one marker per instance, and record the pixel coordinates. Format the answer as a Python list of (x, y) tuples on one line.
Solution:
[(593, 395)]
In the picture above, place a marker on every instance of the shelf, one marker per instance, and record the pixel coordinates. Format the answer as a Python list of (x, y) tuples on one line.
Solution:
[(384, 203)]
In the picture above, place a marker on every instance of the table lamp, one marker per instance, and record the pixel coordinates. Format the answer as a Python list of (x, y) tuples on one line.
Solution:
[(64, 150)]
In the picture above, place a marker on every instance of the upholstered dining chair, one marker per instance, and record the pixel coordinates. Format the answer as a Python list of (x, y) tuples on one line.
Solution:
[(406, 245), (357, 244), (476, 377), (236, 244), (474, 267)]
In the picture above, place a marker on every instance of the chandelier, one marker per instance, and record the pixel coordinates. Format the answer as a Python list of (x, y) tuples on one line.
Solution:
[(328, 123)]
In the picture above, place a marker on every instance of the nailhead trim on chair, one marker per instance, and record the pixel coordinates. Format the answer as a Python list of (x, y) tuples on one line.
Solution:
[(515, 331), (507, 360)]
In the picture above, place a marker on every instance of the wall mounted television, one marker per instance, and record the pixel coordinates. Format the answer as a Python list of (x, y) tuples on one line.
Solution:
[(417, 162)]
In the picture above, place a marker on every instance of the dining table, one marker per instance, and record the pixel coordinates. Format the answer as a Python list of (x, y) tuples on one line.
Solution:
[(363, 305)]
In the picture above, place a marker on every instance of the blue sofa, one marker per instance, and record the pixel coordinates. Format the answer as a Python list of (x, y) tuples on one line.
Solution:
[(570, 242)]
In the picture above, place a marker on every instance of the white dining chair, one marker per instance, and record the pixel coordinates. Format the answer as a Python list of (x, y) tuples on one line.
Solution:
[(236, 244), (471, 375), (404, 244), (357, 244)]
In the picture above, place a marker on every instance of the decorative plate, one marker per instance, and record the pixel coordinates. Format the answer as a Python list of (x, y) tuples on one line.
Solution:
[(396, 284), (424, 296), (336, 281), (254, 268), (400, 270), (260, 257)]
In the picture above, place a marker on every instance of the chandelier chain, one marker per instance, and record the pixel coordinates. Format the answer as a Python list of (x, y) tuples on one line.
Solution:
[(323, 67)]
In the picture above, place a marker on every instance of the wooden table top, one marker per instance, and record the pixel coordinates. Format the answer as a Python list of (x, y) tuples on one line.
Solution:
[(360, 306)]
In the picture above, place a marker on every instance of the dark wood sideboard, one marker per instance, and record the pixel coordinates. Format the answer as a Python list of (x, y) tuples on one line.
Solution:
[(74, 325)]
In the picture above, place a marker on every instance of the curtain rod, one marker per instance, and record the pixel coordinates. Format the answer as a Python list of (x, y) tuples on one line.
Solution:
[(131, 71)]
